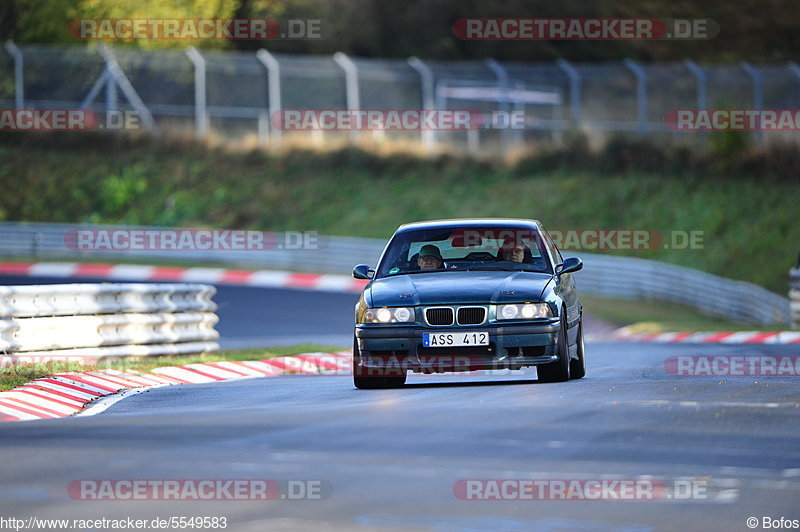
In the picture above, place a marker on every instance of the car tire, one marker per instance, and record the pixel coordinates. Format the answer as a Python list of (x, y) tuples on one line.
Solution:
[(577, 368), (372, 382), (557, 371)]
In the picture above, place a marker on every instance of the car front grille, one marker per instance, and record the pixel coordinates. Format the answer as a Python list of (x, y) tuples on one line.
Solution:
[(439, 316), (471, 315)]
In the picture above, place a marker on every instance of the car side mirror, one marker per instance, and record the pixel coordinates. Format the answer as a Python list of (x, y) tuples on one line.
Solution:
[(572, 264), (362, 271)]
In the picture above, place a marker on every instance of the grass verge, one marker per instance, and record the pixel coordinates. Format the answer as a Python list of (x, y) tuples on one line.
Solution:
[(748, 222), (658, 316)]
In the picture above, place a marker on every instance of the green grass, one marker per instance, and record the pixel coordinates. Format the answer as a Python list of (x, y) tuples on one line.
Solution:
[(749, 224), (658, 316), (13, 376)]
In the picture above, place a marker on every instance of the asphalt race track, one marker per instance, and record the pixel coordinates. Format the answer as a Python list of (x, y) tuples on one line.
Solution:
[(390, 459)]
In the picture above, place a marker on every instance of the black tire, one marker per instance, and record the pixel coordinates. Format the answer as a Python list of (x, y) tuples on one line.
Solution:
[(557, 371), (577, 368), (372, 382)]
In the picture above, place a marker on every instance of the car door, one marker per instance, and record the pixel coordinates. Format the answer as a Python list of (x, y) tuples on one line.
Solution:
[(564, 285)]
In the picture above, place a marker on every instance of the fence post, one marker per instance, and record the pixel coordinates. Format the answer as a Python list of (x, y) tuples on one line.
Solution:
[(641, 94), (262, 128), (200, 109), (274, 86), (19, 72), (111, 98), (503, 81), (352, 95), (574, 90), (426, 80), (473, 139), (99, 83), (758, 99), (702, 83), (117, 76)]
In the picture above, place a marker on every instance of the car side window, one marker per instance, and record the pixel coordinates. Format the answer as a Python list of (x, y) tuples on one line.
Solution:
[(552, 247)]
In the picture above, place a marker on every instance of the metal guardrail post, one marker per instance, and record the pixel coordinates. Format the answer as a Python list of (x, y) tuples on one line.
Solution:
[(36, 244), (19, 72), (426, 81), (794, 68), (758, 98), (702, 85), (274, 86), (574, 90), (641, 94), (352, 95), (200, 109)]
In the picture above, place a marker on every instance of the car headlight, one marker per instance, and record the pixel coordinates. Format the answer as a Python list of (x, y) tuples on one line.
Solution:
[(388, 315), (524, 311)]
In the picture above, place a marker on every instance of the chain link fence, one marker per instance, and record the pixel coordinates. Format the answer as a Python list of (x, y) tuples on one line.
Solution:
[(234, 94)]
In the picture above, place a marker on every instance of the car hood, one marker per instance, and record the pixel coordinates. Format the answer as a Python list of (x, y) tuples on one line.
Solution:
[(455, 288)]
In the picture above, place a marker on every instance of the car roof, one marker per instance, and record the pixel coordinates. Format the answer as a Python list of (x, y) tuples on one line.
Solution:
[(434, 224)]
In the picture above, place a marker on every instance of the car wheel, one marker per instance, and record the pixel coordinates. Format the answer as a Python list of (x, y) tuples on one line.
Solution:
[(557, 371), (372, 382), (577, 368)]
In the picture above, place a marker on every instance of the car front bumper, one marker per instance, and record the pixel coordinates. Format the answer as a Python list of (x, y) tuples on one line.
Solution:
[(512, 346)]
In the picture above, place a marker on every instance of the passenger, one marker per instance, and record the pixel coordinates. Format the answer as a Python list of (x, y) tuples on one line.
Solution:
[(430, 258)]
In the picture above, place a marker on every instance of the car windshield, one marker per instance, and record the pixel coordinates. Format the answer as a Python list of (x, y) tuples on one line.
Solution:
[(466, 248)]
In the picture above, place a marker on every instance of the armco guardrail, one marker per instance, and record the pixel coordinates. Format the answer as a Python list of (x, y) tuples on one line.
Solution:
[(633, 278), (794, 295), (92, 321), (621, 277), (327, 255)]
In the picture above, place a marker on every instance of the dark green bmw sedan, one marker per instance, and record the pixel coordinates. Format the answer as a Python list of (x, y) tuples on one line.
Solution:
[(466, 295)]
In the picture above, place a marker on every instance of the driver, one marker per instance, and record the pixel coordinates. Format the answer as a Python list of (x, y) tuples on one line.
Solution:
[(512, 251), (430, 258)]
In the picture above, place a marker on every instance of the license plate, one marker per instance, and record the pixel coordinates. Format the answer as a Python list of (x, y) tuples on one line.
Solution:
[(455, 339)]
